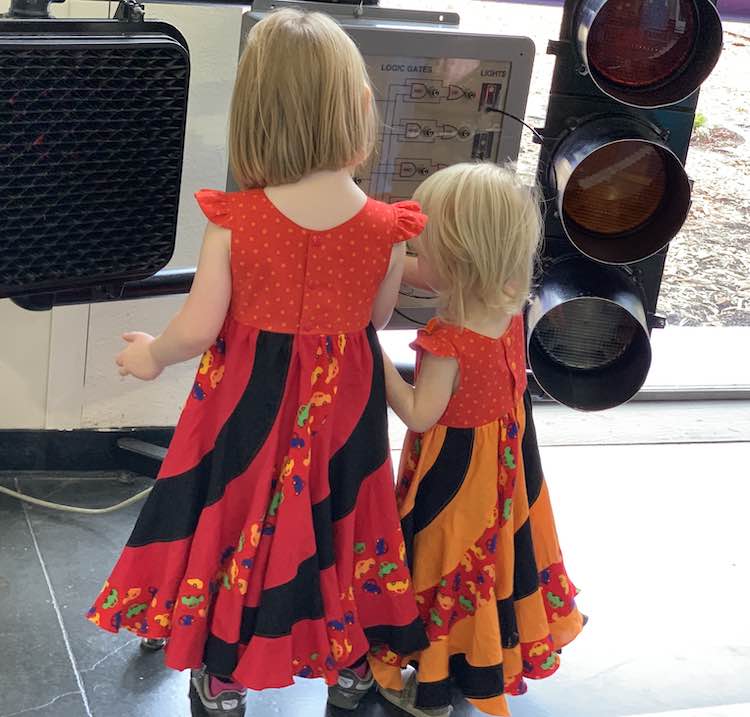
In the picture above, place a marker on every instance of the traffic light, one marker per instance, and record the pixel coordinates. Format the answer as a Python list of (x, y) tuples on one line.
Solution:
[(615, 140), (88, 196)]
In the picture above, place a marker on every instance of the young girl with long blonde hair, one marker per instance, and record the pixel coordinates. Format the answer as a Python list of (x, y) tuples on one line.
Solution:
[(270, 546), (480, 537)]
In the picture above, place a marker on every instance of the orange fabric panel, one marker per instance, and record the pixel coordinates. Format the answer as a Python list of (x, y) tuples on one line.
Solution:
[(492, 706), (543, 531), (531, 618), (566, 629), (441, 545)]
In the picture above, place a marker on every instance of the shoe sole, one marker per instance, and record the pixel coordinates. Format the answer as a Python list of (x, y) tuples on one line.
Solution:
[(152, 648), (405, 710), (197, 708)]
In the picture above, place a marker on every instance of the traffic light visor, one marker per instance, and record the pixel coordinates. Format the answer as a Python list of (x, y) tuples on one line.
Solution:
[(588, 342), (622, 193)]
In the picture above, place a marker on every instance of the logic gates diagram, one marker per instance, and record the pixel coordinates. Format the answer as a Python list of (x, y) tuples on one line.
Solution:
[(434, 112)]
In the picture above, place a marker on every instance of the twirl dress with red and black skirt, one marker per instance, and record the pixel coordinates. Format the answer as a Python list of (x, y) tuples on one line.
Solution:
[(278, 480), (486, 565)]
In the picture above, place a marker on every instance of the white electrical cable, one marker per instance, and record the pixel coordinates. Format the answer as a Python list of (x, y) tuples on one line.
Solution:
[(74, 508)]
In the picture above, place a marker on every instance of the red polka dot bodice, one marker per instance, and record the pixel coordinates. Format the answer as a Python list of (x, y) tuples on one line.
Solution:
[(289, 279), (492, 372)]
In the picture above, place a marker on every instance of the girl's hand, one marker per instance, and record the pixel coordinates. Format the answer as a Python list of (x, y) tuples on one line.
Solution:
[(137, 359)]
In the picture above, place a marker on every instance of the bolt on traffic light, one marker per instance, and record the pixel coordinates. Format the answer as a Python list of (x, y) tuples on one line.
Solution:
[(615, 140)]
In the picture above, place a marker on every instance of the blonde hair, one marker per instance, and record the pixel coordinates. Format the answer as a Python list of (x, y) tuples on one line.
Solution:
[(302, 101), (482, 237)]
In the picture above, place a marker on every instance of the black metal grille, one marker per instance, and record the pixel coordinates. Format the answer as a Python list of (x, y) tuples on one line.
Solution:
[(586, 333), (90, 159)]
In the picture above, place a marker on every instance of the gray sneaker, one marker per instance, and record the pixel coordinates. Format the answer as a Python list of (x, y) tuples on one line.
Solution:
[(228, 703), (406, 700), (350, 689), (153, 644)]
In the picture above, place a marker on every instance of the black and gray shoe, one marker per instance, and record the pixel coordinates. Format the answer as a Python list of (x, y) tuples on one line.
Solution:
[(406, 700), (227, 703), (348, 692), (153, 644)]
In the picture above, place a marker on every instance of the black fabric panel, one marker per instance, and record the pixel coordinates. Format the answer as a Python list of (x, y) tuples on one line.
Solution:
[(281, 607), (433, 695), (532, 462), (508, 625), (367, 447), (323, 528), (407, 529), (403, 640), (525, 574), (445, 478), (220, 657), (477, 682), (175, 504)]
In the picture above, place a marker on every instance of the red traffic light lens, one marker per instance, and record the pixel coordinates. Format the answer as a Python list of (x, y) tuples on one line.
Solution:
[(641, 43), (617, 188), (648, 53)]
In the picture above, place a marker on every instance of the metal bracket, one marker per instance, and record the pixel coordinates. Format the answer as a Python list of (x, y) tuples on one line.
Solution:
[(360, 11), (557, 47), (130, 11), (656, 321)]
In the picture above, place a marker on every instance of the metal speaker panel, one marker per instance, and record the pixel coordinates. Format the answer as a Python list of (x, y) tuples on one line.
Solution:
[(93, 118)]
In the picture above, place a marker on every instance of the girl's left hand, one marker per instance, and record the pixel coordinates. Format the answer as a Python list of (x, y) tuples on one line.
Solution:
[(137, 359)]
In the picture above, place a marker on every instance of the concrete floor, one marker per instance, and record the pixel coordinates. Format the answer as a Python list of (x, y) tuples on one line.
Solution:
[(655, 536)]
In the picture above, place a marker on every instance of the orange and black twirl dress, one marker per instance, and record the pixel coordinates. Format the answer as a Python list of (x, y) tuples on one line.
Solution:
[(278, 481), (481, 542)]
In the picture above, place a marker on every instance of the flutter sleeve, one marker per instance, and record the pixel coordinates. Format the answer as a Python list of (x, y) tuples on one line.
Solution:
[(410, 221), (435, 339), (216, 205)]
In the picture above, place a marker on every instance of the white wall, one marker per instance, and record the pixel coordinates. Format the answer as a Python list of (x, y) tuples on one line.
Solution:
[(57, 368)]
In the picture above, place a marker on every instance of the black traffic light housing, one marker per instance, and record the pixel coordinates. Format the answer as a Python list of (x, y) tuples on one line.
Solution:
[(95, 112), (618, 126)]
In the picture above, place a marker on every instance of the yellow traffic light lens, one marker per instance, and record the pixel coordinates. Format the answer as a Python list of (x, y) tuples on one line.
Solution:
[(642, 43), (617, 188), (622, 193)]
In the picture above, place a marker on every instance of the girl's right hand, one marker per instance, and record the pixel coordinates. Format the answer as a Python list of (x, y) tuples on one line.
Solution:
[(137, 359)]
